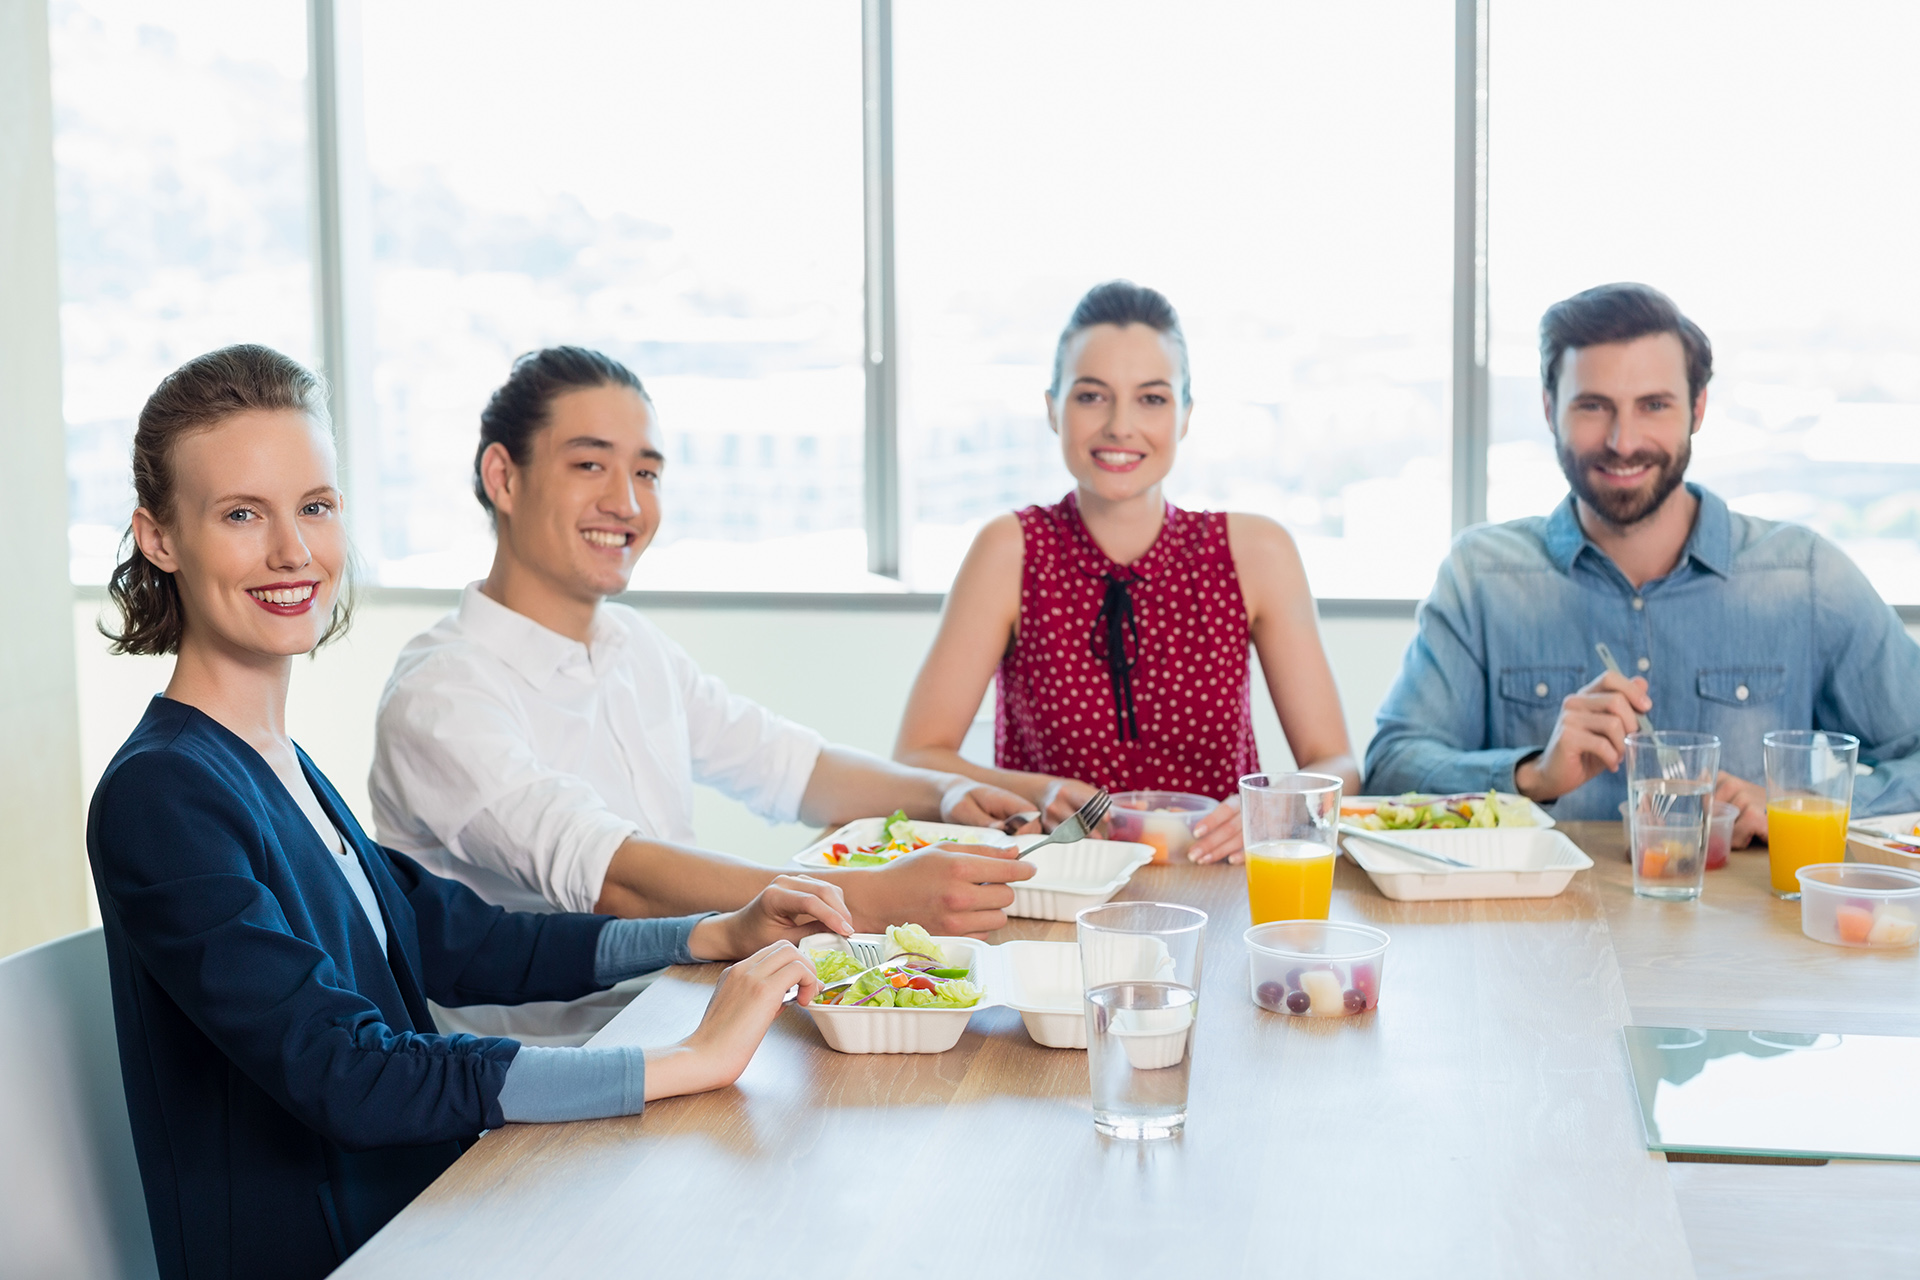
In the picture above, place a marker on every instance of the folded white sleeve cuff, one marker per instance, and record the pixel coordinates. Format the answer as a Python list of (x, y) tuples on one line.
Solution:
[(559, 850), (793, 755)]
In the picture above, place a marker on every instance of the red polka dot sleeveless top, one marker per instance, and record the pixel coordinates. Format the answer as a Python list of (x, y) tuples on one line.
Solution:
[(1130, 677)]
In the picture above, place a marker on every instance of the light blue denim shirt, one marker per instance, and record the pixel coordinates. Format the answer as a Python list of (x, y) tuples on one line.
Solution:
[(1760, 626)]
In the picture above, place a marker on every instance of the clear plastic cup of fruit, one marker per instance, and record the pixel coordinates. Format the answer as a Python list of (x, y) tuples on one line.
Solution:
[(1719, 833), (1315, 968), (1162, 819), (1857, 904)]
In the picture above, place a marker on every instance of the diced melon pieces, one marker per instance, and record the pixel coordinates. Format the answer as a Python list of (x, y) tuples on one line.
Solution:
[(1653, 863), (1323, 989), (1854, 924), (1893, 926)]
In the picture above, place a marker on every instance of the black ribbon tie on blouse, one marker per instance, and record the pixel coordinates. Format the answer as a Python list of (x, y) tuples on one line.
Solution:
[(1113, 627)]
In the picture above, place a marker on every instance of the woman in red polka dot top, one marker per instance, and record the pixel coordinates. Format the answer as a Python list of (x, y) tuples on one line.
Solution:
[(1118, 624)]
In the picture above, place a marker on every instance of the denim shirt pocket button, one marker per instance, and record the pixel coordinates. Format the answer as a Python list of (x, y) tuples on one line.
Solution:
[(1742, 686), (1536, 685)]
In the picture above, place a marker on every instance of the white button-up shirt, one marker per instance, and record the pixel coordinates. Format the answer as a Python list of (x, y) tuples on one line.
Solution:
[(516, 760)]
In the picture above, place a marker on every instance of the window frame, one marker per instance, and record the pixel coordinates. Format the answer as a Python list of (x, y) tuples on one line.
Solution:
[(343, 267)]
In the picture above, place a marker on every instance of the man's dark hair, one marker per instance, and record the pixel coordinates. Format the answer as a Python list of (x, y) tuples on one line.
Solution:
[(520, 408), (1122, 302), (1619, 313)]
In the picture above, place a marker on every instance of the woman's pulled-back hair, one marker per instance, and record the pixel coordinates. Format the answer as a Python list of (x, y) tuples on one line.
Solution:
[(200, 395), (521, 407), (1122, 302)]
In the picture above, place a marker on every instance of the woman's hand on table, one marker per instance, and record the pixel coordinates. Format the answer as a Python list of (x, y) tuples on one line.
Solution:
[(788, 910), (744, 1005), (1751, 825), (1219, 836)]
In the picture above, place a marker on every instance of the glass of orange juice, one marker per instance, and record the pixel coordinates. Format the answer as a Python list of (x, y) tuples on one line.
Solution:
[(1809, 796), (1291, 822)]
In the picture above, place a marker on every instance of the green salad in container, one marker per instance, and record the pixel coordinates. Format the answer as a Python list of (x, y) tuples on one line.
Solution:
[(915, 975)]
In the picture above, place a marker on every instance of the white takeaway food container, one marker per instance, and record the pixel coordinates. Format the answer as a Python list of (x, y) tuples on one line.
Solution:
[(1351, 807), (1068, 878), (1506, 862), (1041, 980), (864, 831)]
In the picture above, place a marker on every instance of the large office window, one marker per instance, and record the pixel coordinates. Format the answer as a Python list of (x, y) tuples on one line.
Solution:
[(180, 146), (1755, 161), (678, 185), (683, 186), (1282, 172)]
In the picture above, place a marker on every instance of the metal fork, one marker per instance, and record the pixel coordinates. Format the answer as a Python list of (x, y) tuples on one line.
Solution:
[(867, 953), (1670, 766), (1354, 831), (1079, 826)]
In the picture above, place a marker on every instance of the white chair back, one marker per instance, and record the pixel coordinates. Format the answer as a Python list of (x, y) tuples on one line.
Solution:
[(70, 1199)]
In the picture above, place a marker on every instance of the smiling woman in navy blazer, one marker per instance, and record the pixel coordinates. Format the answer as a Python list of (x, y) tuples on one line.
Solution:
[(271, 966)]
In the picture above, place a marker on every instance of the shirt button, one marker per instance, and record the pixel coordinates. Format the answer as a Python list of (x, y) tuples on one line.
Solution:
[(1741, 693), (1645, 663), (1540, 690), (1638, 603)]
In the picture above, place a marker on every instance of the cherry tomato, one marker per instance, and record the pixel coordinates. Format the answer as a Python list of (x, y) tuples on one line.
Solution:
[(920, 984)]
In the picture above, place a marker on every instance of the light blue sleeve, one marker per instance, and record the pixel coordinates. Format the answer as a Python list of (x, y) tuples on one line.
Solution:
[(548, 1085), (1870, 682), (629, 948), (1432, 733)]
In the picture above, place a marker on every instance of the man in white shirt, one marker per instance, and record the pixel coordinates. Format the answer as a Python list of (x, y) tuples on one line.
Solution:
[(541, 743)]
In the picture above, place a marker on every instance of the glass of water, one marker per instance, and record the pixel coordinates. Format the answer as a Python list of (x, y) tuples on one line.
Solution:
[(1670, 779), (1141, 962)]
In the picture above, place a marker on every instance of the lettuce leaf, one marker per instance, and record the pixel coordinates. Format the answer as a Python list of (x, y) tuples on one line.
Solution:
[(898, 829), (834, 966), (1513, 813), (911, 937), (956, 994)]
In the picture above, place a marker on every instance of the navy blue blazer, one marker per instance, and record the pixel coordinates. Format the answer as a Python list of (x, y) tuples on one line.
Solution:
[(287, 1089)]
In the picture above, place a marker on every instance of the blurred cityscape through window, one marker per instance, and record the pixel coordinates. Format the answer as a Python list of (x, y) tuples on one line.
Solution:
[(1754, 160), (602, 174), (682, 186), (180, 162), (1283, 173)]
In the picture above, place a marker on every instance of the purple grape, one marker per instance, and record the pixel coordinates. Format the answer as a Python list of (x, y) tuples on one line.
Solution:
[(1298, 1001), (1271, 994), (1354, 1001)]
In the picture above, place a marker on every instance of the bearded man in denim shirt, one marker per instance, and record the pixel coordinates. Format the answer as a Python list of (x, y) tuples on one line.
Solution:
[(1735, 625)]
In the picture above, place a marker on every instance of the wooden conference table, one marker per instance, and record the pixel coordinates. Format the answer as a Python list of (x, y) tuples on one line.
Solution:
[(1480, 1123)]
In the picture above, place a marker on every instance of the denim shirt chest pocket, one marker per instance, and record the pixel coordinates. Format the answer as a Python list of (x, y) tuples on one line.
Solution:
[(1530, 700), (1734, 700)]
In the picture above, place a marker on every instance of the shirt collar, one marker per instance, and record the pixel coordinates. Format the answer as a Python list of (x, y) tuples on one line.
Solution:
[(1096, 563), (1711, 542), (1710, 545), (523, 644)]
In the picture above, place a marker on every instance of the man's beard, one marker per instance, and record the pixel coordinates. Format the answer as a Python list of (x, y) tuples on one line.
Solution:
[(1623, 507)]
